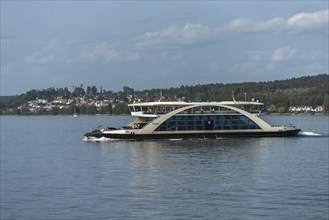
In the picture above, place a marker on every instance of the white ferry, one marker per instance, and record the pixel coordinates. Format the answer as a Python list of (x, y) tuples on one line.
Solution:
[(185, 120)]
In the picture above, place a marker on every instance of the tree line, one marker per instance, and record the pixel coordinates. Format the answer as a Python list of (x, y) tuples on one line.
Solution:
[(277, 95)]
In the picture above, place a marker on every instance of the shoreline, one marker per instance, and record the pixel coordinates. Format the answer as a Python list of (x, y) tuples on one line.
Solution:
[(274, 114)]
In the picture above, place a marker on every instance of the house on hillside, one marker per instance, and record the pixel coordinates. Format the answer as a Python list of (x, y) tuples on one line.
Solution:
[(306, 109), (319, 108)]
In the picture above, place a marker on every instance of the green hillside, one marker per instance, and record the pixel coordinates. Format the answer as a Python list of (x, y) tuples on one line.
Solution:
[(277, 95)]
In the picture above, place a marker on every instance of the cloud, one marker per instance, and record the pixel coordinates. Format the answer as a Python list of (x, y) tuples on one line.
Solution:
[(76, 51), (254, 56), (39, 58), (214, 67), (6, 69), (309, 21), (299, 22), (106, 52), (250, 26), (259, 63), (312, 67), (285, 53), (252, 68), (313, 55), (288, 53), (45, 54), (174, 37)]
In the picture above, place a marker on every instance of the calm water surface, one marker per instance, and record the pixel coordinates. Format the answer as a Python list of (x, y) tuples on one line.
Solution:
[(49, 172)]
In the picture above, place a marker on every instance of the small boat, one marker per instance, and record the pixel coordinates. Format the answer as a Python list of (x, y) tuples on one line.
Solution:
[(75, 113), (185, 120)]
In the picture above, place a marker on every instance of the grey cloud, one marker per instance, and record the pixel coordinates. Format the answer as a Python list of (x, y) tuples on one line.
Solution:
[(288, 53), (105, 51), (37, 58), (175, 37), (75, 51), (285, 53), (297, 23), (309, 21)]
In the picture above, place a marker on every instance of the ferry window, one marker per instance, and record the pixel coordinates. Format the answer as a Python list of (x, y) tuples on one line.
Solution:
[(244, 120), (222, 122), (213, 108), (148, 110), (253, 125), (243, 127), (171, 119), (198, 117), (227, 127), (171, 123), (180, 118), (137, 108), (196, 110), (227, 117), (190, 122), (206, 108), (218, 127), (212, 117), (190, 117), (162, 128), (190, 128)]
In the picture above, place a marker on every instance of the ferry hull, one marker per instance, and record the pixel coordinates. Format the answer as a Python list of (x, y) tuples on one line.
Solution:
[(204, 135)]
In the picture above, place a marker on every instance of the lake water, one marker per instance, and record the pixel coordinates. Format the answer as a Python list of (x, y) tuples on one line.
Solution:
[(49, 172)]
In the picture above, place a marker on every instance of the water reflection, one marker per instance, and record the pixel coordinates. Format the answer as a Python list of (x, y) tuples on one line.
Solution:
[(165, 171), (198, 177)]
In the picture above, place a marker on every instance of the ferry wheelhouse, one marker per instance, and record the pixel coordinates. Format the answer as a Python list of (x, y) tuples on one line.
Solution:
[(183, 120)]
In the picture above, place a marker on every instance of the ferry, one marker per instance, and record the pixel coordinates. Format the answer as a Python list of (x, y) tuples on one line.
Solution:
[(186, 120)]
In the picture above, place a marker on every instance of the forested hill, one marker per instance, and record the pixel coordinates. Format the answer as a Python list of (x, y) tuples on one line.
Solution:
[(307, 90), (303, 91)]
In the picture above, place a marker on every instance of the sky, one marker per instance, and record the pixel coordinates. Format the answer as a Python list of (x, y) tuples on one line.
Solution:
[(159, 44)]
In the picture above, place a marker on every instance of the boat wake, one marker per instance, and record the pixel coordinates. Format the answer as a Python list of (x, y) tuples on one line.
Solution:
[(311, 134), (175, 139), (101, 139)]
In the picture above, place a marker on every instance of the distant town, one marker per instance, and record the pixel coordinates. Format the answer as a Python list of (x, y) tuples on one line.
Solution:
[(308, 94), (108, 106)]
